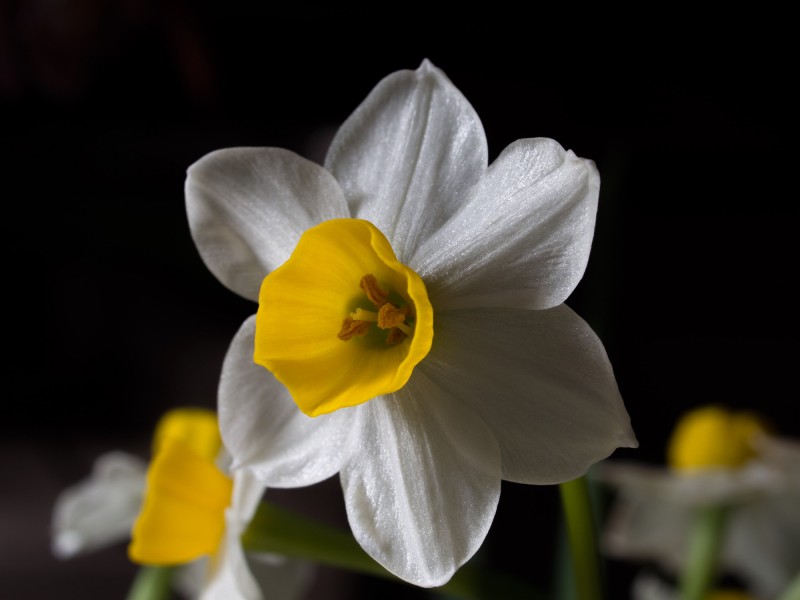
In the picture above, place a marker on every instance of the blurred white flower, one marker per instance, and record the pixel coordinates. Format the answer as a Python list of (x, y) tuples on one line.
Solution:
[(647, 586), (447, 277), (103, 509), (99, 511), (655, 509)]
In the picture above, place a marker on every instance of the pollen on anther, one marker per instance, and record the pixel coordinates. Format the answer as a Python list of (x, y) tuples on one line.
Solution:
[(390, 316), (351, 328), (374, 292)]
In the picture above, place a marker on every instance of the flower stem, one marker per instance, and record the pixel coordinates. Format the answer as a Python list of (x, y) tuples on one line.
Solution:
[(792, 592), (277, 530), (705, 540), (151, 583), (581, 532)]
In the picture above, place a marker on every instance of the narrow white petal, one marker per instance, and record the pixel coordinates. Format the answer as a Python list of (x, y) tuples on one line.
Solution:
[(647, 586), (422, 484), (643, 526), (654, 513), (408, 155), (247, 207), (247, 493), (190, 579), (263, 429), (230, 577), (100, 510), (523, 237), (542, 382), (762, 541), (695, 489)]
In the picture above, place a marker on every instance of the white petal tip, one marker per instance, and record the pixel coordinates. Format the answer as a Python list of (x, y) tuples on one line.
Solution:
[(628, 438), (67, 544), (425, 66)]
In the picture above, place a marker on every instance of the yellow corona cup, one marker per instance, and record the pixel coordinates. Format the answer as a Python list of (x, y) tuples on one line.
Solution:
[(342, 321), (183, 513), (713, 437)]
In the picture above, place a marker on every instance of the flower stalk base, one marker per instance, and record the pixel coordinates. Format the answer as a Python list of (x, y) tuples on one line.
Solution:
[(582, 535), (705, 541), (152, 583), (277, 530)]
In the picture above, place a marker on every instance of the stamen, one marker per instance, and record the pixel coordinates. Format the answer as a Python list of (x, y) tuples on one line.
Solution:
[(404, 328), (374, 292), (395, 337), (390, 316), (351, 327), (364, 315)]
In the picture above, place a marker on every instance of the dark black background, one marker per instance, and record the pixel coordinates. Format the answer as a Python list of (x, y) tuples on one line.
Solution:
[(110, 316)]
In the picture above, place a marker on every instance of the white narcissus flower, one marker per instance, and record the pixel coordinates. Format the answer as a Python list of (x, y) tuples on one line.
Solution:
[(656, 507), (413, 302), (175, 521)]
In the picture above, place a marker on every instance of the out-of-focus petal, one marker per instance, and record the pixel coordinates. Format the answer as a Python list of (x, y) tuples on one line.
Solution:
[(247, 207), (422, 483), (408, 155), (647, 586), (709, 488), (230, 577), (648, 527), (263, 428), (542, 382), (100, 510), (762, 543), (654, 511), (182, 516), (523, 237), (279, 578)]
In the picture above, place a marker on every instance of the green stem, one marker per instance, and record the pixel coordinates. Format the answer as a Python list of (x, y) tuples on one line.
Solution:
[(280, 531), (152, 583), (581, 531), (705, 540), (792, 592)]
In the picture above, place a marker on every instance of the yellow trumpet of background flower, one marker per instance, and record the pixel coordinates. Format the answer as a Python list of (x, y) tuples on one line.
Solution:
[(713, 437), (183, 514)]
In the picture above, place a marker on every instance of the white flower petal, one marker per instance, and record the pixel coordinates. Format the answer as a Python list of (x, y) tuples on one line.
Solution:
[(645, 526), (230, 577), (190, 579), (523, 237), (408, 155), (264, 429), (422, 485), (647, 586), (542, 382), (247, 208), (782, 454), (655, 509), (100, 510), (762, 542), (695, 489)]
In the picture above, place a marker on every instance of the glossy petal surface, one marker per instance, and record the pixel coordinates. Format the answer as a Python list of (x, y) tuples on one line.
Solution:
[(423, 483), (247, 207), (263, 428), (408, 155), (540, 380)]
